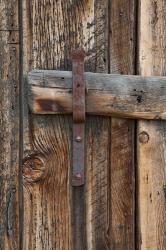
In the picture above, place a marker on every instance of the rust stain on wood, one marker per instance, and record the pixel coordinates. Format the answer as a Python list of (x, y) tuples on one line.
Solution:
[(49, 105)]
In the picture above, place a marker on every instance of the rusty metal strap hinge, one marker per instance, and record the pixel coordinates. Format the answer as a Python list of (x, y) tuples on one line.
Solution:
[(78, 161)]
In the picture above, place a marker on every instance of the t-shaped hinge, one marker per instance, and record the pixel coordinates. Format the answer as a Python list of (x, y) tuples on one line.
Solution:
[(78, 157)]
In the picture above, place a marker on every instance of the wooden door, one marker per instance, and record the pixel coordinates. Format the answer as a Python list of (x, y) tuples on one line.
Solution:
[(123, 202)]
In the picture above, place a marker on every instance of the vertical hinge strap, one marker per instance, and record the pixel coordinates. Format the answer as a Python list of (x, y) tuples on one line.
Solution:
[(78, 117)]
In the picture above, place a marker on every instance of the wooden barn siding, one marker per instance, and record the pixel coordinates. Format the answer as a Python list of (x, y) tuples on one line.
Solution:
[(50, 30), (122, 166), (9, 125), (151, 135)]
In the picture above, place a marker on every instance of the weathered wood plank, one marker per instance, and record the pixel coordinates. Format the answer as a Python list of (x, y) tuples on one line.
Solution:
[(126, 96), (51, 30), (122, 180), (46, 192), (151, 181), (151, 136), (122, 175), (63, 79), (62, 31), (9, 125), (97, 143), (97, 182)]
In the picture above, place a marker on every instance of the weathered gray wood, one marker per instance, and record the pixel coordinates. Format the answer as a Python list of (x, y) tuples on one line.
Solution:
[(117, 95), (51, 30), (151, 135), (9, 125)]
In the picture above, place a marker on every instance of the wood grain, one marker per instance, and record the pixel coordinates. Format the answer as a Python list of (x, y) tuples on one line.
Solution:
[(51, 30), (118, 95), (151, 135), (46, 192), (62, 31), (97, 182), (9, 125), (98, 143), (151, 181), (123, 227), (122, 180)]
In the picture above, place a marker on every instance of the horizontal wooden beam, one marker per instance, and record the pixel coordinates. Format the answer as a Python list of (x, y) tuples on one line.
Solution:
[(126, 96)]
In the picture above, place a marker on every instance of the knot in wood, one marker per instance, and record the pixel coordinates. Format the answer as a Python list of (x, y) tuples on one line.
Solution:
[(143, 137), (33, 168)]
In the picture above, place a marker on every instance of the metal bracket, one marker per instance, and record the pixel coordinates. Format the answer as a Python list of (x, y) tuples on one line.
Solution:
[(78, 117)]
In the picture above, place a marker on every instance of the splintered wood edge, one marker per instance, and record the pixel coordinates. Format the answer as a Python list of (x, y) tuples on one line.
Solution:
[(135, 97)]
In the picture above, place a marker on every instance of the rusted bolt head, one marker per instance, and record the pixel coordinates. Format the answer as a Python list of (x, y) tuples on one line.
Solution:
[(78, 176), (143, 137), (78, 138)]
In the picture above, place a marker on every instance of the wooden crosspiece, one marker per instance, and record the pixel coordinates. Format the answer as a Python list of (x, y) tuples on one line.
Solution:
[(128, 96)]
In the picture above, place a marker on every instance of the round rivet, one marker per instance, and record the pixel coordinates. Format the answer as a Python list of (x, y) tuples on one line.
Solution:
[(78, 138), (143, 137), (78, 176)]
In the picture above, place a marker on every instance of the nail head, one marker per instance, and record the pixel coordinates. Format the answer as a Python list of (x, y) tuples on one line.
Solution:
[(78, 176), (143, 137), (78, 138)]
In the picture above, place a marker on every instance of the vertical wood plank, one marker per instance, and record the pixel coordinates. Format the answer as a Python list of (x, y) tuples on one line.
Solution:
[(151, 136), (122, 173), (46, 190), (98, 145), (98, 142), (51, 30), (9, 125)]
